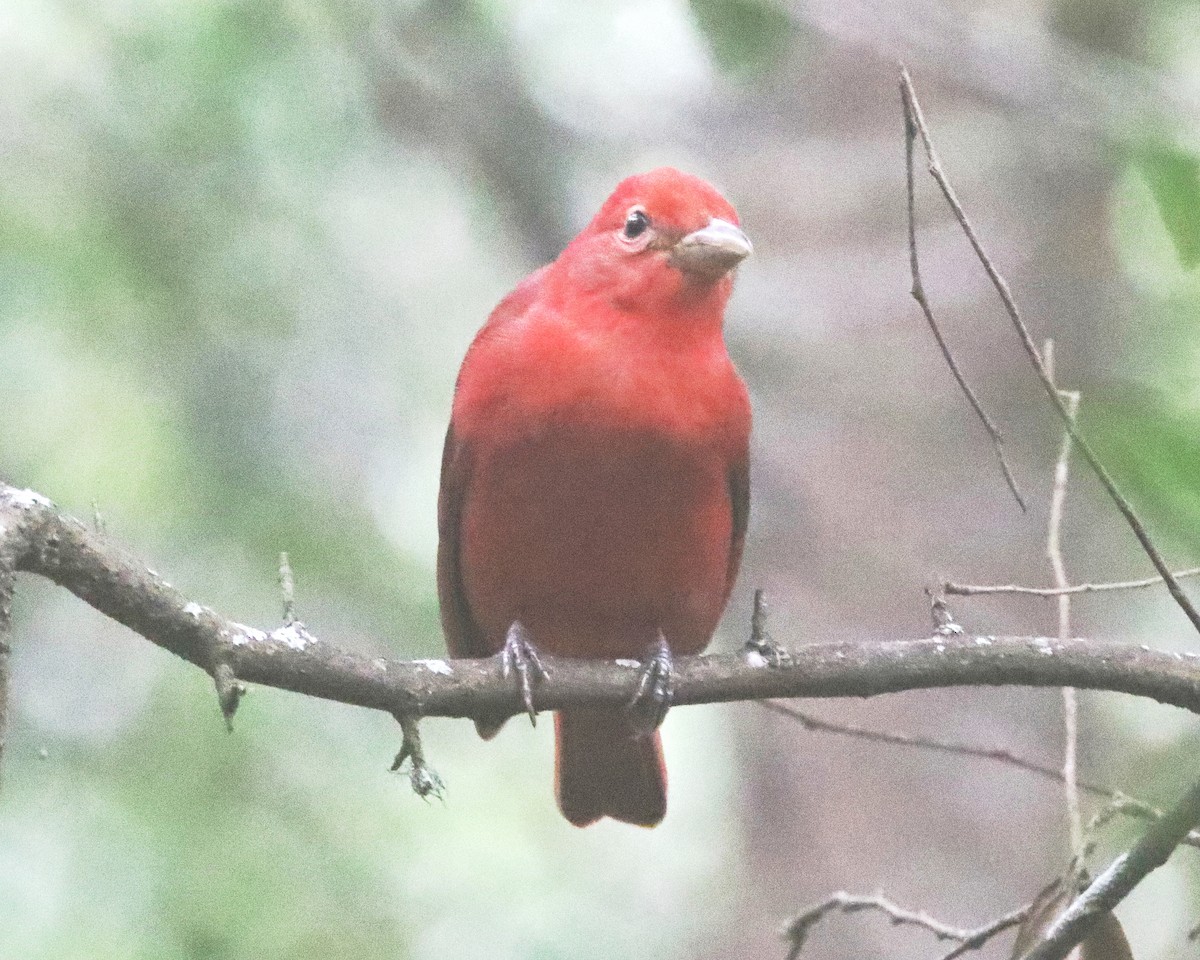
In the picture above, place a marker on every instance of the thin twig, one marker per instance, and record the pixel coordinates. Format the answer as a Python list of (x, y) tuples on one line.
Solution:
[(1070, 769), (798, 928), (761, 648), (1129, 806), (1119, 801), (758, 618), (229, 692), (918, 294), (287, 588), (997, 754), (985, 933), (944, 624), (7, 581), (976, 590), (1058, 501), (913, 110), (1119, 879), (424, 779)]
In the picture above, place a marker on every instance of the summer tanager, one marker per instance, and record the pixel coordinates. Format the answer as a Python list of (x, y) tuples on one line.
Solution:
[(595, 479)]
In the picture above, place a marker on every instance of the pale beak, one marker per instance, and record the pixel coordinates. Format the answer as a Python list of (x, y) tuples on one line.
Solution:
[(712, 251)]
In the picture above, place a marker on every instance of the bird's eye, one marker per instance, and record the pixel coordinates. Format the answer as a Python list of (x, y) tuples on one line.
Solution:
[(636, 224)]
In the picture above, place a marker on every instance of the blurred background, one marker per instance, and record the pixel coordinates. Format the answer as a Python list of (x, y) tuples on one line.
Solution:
[(243, 247)]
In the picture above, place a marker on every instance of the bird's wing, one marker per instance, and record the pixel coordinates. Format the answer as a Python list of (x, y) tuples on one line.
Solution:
[(463, 636), (739, 500)]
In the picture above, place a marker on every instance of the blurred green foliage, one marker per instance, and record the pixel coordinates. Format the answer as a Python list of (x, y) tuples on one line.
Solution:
[(747, 37), (233, 249), (1148, 425), (1153, 446), (1174, 178), (243, 244)]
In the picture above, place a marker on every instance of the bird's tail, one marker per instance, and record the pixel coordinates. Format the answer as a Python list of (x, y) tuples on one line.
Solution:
[(602, 769)]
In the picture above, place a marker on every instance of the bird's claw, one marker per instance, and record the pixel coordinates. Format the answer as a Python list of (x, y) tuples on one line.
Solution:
[(656, 686), (519, 654)]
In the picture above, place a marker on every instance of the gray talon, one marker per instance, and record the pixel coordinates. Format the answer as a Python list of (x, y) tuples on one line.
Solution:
[(656, 687), (520, 654)]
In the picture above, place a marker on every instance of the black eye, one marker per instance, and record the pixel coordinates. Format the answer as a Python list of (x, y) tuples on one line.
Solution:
[(636, 224)]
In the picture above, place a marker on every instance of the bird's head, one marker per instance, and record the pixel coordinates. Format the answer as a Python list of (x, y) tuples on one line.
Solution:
[(664, 243)]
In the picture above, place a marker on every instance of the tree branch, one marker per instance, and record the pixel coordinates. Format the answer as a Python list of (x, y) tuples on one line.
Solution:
[(35, 537), (1119, 879), (913, 111)]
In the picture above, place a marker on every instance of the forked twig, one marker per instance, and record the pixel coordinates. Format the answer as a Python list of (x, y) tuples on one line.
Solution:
[(1156, 845), (980, 590), (918, 294), (798, 928), (912, 109)]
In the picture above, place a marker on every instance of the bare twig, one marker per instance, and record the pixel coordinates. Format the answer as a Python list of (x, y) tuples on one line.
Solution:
[(798, 928), (229, 692), (944, 624), (918, 294), (1129, 806), (287, 588), (913, 110), (997, 754), (1119, 879), (6, 596), (977, 590), (761, 648), (758, 618), (1119, 801), (982, 935), (1054, 554), (1120, 805), (1070, 768), (424, 779)]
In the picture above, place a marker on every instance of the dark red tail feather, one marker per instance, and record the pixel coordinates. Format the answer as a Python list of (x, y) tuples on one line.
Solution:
[(603, 770)]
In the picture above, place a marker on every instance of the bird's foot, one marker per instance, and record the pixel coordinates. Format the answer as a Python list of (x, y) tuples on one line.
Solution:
[(520, 655), (656, 686)]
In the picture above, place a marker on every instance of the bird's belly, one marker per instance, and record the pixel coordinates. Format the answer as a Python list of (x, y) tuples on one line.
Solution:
[(595, 542)]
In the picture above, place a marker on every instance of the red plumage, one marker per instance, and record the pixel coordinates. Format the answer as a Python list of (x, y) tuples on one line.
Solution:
[(595, 478)]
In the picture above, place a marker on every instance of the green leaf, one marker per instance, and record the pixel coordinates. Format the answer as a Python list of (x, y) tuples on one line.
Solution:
[(748, 37), (1174, 178), (1151, 444)]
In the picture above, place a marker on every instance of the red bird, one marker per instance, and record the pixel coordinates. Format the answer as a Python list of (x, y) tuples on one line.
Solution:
[(595, 479)]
